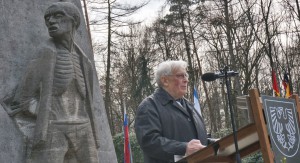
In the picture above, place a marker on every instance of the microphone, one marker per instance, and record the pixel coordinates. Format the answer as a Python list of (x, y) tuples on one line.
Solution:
[(211, 76)]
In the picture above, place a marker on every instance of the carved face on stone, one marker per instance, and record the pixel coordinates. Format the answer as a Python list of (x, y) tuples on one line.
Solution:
[(62, 19)]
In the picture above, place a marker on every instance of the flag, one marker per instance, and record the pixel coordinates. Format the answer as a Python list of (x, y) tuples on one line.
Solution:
[(196, 102), (286, 85), (127, 149), (275, 85)]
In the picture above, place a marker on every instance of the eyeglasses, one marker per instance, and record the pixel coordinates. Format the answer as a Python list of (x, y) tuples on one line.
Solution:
[(181, 75)]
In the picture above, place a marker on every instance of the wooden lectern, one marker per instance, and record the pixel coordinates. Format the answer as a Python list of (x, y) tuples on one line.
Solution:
[(251, 138)]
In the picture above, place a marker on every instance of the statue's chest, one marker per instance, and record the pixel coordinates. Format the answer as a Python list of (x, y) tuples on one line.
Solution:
[(64, 70), (68, 68)]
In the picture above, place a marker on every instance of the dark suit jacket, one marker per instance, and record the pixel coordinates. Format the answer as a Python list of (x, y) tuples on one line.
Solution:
[(38, 82), (163, 128)]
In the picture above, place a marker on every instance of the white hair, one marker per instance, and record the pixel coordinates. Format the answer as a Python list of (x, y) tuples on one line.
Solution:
[(167, 67)]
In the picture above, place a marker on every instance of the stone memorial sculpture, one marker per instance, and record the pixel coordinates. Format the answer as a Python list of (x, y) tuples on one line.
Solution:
[(53, 105)]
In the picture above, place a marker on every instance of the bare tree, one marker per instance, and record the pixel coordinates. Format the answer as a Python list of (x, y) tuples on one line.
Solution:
[(115, 13)]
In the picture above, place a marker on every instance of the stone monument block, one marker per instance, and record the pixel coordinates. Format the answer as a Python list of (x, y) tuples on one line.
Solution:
[(51, 104)]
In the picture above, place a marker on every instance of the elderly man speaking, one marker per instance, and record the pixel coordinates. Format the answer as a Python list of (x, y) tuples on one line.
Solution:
[(166, 123)]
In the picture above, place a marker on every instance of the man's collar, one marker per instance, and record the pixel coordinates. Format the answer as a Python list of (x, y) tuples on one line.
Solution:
[(163, 96)]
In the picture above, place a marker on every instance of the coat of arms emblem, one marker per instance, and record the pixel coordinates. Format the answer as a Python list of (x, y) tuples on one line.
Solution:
[(282, 121)]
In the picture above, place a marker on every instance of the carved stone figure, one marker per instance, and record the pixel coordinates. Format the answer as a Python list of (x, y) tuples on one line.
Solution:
[(57, 91)]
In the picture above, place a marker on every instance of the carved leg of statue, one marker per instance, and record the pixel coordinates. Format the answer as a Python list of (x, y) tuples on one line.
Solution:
[(54, 149), (67, 143), (82, 141)]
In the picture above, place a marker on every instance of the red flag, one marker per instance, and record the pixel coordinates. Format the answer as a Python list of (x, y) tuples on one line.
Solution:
[(275, 85), (127, 150), (286, 85)]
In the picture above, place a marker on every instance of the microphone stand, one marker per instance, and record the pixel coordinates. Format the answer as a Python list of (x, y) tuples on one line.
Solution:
[(228, 86)]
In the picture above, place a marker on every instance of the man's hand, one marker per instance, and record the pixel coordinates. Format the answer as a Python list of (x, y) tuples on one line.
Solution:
[(193, 146)]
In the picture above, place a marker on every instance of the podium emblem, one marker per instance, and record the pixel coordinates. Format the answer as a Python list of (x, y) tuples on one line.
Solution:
[(283, 125), (282, 121)]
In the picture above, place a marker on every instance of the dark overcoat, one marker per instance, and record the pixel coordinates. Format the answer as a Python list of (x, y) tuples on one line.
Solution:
[(163, 128)]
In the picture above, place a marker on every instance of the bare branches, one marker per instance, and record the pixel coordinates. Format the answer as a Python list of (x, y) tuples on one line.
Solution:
[(248, 35)]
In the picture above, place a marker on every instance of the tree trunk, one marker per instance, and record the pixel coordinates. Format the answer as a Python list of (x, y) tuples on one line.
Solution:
[(108, 65), (188, 52)]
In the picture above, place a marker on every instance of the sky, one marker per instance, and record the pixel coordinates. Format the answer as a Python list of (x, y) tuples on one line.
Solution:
[(146, 14), (149, 12)]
